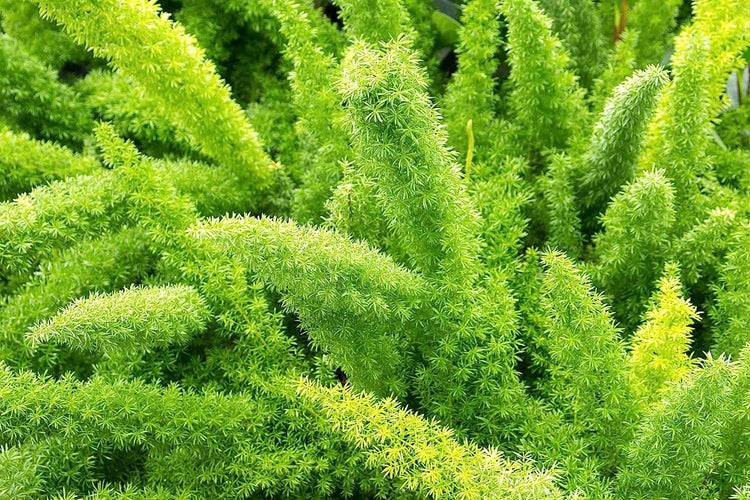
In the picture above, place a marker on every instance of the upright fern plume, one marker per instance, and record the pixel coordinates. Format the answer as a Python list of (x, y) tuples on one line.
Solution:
[(609, 162), (632, 248), (401, 146), (578, 26), (732, 291), (702, 249), (678, 441), (559, 193), (659, 353), (587, 374), (169, 68), (470, 94), (317, 107), (546, 102), (678, 135), (374, 20)]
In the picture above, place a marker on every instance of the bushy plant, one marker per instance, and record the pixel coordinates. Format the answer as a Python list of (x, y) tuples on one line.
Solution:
[(374, 249)]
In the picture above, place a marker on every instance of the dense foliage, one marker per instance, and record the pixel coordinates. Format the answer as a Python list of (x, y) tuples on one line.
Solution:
[(374, 249)]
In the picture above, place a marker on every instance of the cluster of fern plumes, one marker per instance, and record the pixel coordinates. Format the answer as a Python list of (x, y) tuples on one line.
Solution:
[(374, 249)]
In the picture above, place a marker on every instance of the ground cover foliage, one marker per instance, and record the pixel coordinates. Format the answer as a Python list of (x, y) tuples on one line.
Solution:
[(374, 249)]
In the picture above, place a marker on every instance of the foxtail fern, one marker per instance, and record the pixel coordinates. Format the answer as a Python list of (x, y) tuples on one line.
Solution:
[(208, 116), (374, 249)]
